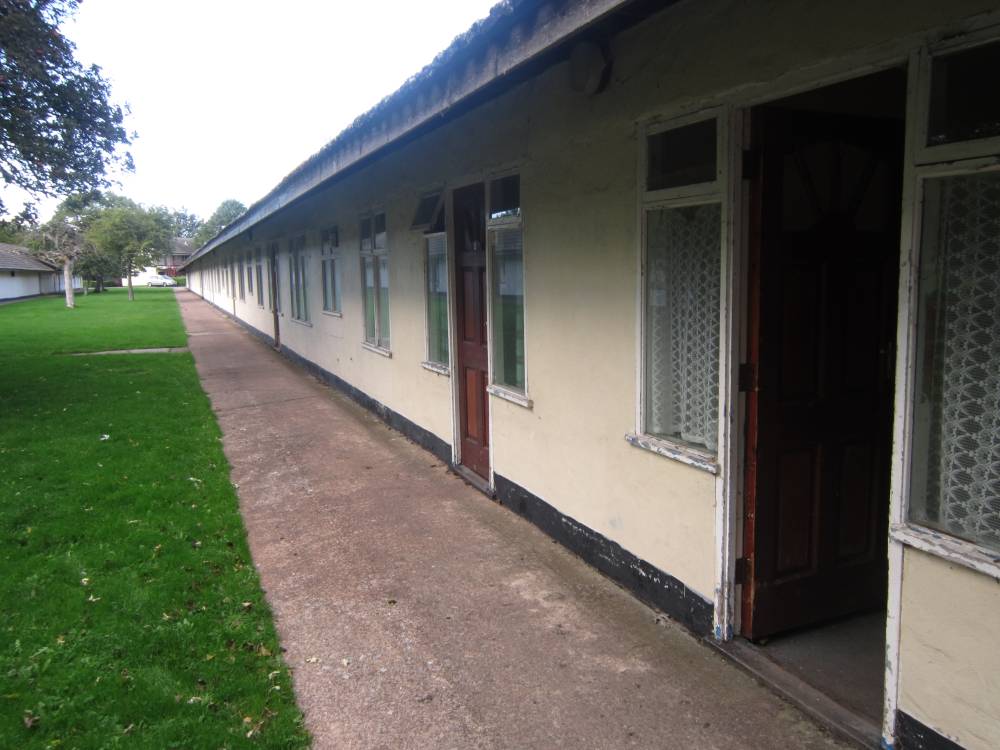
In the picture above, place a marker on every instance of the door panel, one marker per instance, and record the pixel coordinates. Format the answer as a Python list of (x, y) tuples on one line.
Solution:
[(470, 300), (824, 257)]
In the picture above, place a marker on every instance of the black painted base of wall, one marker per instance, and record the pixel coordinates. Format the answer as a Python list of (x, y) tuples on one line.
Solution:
[(648, 583), (914, 735)]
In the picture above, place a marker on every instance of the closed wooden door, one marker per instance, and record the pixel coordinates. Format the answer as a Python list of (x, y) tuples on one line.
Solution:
[(472, 364), (824, 265)]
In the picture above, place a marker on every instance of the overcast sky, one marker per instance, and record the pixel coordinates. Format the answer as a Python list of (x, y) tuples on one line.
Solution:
[(229, 96)]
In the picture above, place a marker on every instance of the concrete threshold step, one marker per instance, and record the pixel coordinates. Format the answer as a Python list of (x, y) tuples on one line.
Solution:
[(839, 720)]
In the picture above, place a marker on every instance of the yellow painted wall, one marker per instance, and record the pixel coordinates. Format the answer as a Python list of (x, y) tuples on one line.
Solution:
[(577, 158), (949, 654)]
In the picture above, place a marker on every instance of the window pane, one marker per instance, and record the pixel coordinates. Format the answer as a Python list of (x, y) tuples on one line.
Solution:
[(335, 272), (383, 302), (508, 308), (955, 483), (366, 234), (683, 156), (683, 268), (437, 300), (426, 211), (960, 108), (505, 197), (368, 269), (303, 288), (327, 296), (379, 231)]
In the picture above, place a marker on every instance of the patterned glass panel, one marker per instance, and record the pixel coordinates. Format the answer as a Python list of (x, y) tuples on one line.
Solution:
[(683, 271), (956, 456)]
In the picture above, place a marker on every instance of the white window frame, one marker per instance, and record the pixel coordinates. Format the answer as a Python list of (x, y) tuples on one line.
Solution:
[(442, 368), (962, 158), (697, 194), (923, 62), (376, 254), (259, 267), (331, 271), (249, 262), (298, 266), (499, 390), (241, 282)]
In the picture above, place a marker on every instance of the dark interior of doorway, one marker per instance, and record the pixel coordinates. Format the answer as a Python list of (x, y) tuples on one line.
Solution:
[(823, 625)]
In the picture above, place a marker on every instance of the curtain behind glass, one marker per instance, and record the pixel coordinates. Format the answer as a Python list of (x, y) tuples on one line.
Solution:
[(683, 270), (956, 441)]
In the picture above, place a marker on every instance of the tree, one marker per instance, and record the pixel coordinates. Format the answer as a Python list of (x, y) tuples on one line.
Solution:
[(184, 224), (96, 265), (227, 212), (131, 235), (62, 239), (59, 134)]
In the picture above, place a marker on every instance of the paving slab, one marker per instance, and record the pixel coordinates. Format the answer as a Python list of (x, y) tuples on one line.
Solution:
[(417, 613)]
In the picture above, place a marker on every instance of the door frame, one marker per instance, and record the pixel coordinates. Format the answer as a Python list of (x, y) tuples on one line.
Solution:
[(465, 180)]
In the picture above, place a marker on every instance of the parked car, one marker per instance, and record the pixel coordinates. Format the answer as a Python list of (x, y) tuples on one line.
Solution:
[(161, 281)]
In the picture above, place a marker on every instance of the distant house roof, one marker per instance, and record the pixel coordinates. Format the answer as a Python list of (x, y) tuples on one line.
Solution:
[(17, 258), (493, 51)]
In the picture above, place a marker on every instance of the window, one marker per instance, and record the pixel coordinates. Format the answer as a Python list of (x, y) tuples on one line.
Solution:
[(428, 210), (504, 239), (955, 465), (681, 326), (232, 277), (437, 298), (330, 264), (682, 156), (682, 273), (297, 267), (260, 278), (274, 278), (240, 274), (375, 280), (250, 272), (959, 108)]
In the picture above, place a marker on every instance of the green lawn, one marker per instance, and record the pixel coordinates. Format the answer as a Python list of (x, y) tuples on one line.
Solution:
[(130, 611)]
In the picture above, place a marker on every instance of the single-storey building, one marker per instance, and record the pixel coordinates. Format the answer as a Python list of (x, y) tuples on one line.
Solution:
[(710, 291), (23, 275)]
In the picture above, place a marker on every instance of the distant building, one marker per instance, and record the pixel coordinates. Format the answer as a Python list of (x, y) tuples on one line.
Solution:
[(709, 291), (23, 275)]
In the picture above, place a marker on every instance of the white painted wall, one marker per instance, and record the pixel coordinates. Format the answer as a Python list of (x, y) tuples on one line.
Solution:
[(15, 284)]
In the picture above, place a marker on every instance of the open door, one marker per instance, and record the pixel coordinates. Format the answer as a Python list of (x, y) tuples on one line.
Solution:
[(471, 361), (824, 245)]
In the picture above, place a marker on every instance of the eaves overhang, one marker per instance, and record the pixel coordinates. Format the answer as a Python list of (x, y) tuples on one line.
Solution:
[(495, 51)]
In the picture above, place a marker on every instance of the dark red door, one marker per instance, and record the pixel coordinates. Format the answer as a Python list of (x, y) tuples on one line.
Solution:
[(824, 264), (470, 301)]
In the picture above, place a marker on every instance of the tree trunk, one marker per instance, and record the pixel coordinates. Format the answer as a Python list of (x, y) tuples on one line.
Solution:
[(128, 275), (68, 282)]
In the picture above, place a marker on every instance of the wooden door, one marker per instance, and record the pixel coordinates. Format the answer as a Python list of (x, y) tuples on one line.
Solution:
[(824, 263), (272, 281), (471, 361)]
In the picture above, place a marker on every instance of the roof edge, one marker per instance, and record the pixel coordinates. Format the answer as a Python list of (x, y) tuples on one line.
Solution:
[(514, 33)]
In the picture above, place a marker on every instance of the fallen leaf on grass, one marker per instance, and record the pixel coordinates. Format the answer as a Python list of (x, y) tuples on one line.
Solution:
[(30, 720)]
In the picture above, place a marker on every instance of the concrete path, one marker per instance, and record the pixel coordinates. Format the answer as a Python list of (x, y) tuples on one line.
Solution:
[(416, 613)]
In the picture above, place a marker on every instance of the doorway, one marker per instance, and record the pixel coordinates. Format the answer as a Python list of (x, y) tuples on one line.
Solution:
[(825, 173), (472, 359)]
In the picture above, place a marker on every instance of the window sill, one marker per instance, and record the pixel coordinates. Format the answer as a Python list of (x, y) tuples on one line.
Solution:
[(333, 313), (437, 367), (690, 456), (508, 395), (950, 548), (376, 349), (305, 323)]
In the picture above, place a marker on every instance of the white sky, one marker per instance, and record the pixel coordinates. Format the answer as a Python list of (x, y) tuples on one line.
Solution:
[(229, 96)]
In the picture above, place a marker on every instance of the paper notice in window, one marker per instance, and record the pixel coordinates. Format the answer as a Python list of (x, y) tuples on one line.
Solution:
[(658, 298)]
